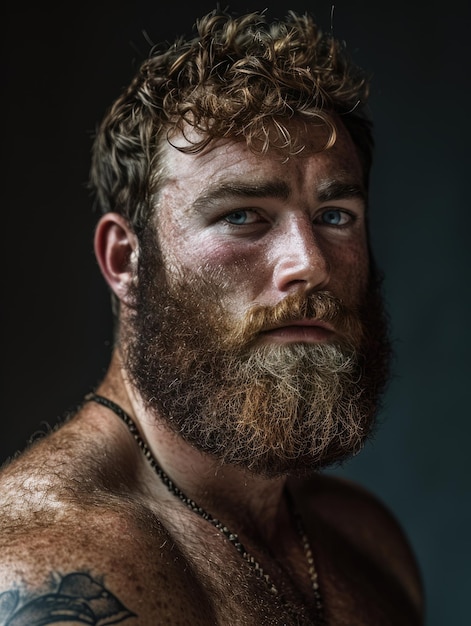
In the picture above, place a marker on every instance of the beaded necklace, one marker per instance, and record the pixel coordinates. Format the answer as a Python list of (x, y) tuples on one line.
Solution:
[(222, 528)]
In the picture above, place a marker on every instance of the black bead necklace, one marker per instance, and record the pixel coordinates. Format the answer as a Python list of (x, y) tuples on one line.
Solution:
[(232, 537)]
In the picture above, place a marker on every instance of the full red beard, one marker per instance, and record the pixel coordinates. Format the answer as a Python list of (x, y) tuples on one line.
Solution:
[(272, 409)]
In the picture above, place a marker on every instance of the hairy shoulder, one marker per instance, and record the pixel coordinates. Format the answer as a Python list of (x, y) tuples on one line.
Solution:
[(79, 544), (362, 520), (45, 480), (99, 565)]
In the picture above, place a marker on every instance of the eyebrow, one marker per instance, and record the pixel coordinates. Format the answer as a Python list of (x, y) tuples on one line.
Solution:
[(338, 190), (327, 191), (224, 191)]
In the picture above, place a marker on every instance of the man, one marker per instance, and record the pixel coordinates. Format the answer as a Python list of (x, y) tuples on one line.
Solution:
[(251, 352)]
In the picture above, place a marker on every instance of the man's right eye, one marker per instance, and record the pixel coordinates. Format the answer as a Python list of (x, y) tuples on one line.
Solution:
[(239, 218)]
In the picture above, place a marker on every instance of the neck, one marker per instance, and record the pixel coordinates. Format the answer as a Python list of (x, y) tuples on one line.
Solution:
[(228, 492)]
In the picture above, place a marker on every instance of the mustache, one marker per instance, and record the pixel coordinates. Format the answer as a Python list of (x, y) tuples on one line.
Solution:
[(321, 306)]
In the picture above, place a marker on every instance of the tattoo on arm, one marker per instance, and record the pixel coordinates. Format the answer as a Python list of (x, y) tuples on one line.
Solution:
[(78, 598)]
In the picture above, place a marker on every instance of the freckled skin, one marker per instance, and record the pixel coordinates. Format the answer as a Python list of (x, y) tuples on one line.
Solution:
[(285, 249)]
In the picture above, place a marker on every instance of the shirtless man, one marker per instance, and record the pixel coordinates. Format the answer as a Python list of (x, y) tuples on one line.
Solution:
[(251, 351)]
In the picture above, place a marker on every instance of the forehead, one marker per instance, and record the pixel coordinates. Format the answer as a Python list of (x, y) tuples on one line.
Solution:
[(229, 160)]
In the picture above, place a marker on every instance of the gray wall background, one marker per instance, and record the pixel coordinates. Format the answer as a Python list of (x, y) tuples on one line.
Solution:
[(62, 67)]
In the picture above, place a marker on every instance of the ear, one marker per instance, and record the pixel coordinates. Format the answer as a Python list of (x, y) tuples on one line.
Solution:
[(116, 249)]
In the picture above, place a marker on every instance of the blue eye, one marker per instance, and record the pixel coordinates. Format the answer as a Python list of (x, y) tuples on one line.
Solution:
[(237, 217), (335, 217)]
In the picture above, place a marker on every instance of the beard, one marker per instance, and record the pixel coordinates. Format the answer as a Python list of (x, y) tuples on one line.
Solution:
[(273, 409)]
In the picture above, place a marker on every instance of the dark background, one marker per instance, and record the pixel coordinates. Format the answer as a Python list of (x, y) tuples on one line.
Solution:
[(61, 68)]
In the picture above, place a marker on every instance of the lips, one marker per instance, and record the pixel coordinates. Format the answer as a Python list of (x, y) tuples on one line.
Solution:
[(306, 330), (308, 323)]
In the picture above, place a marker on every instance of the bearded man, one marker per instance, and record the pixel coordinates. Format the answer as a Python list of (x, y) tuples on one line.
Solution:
[(251, 352)]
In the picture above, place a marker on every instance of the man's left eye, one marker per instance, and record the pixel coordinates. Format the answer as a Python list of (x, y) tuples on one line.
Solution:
[(335, 217)]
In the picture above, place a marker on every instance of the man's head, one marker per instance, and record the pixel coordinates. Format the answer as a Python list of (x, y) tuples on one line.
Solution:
[(237, 244), (238, 78)]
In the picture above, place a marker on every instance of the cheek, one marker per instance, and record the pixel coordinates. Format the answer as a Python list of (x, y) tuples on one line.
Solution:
[(242, 270), (229, 264), (198, 249), (350, 270)]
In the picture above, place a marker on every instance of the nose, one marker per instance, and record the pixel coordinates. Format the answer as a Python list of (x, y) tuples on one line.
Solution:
[(300, 263)]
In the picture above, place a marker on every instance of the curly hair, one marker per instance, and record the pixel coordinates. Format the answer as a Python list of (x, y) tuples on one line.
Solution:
[(239, 77)]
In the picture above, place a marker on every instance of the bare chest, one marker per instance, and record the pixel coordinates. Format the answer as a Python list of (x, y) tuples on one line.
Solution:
[(354, 592), (245, 589)]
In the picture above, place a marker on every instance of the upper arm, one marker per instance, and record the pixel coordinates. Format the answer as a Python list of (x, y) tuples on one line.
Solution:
[(100, 572), (76, 595)]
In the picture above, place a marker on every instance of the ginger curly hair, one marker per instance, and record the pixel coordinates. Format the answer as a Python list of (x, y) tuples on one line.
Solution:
[(239, 77)]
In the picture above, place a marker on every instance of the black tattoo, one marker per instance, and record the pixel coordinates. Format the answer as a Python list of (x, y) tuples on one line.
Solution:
[(79, 599)]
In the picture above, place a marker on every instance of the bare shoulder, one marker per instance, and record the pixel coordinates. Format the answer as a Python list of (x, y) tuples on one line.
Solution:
[(78, 544), (97, 568), (358, 518)]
